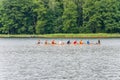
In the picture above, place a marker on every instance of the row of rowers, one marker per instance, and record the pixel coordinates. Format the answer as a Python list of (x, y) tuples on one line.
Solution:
[(68, 42)]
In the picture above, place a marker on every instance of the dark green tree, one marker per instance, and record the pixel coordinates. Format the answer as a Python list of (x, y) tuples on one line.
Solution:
[(59, 16), (40, 10), (70, 17), (101, 16), (18, 16)]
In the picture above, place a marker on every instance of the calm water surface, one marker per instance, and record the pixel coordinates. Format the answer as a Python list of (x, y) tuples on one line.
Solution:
[(22, 59)]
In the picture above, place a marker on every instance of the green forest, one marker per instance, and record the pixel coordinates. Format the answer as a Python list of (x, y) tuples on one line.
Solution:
[(59, 16)]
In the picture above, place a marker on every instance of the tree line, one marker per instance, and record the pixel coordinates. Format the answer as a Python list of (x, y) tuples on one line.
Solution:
[(59, 16)]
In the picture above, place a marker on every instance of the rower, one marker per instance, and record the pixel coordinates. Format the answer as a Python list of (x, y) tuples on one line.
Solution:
[(75, 42), (46, 42), (38, 42), (53, 42), (98, 41), (81, 42), (60, 42), (88, 42), (68, 42)]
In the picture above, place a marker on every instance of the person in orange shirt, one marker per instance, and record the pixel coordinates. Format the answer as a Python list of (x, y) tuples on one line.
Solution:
[(81, 42)]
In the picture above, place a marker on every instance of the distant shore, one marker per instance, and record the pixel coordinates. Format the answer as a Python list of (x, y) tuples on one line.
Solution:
[(88, 35)]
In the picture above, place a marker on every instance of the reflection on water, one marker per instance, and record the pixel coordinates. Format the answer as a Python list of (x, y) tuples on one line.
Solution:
[(22, 59)]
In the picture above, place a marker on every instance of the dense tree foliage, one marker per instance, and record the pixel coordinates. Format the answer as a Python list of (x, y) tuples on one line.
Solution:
[(59, 16)]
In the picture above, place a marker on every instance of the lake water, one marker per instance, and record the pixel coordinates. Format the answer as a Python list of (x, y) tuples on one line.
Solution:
[(22, 59)]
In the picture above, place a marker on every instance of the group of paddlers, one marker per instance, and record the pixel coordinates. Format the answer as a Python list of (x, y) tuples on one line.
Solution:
[(75, 42)]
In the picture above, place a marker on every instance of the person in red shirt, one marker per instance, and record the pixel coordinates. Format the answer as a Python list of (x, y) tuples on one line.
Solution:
[(53, 42), (75, 42)]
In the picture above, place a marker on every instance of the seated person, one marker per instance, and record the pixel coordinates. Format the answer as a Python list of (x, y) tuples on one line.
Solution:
[(75, 42), (98, 41), (81, 42), (61, 43), (53, 42), (88, 42), (38, 42), (68, 42), (46, 42)]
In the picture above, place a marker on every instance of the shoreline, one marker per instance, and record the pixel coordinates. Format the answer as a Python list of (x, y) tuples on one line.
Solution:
[(90, 35)]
